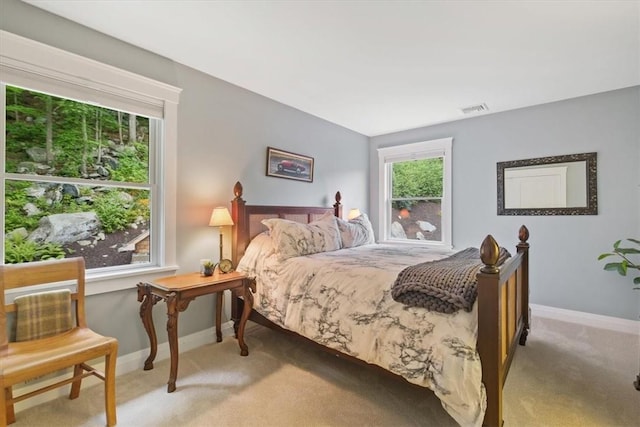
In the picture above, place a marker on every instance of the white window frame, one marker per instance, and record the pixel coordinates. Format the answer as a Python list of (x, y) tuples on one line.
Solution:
[(415, 151), (37, 66)]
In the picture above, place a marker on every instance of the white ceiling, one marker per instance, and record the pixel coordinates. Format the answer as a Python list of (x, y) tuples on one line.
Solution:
[(382, 66)]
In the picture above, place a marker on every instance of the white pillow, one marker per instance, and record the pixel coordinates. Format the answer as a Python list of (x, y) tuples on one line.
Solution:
[(259, 248), (356, 232), (291, 238)]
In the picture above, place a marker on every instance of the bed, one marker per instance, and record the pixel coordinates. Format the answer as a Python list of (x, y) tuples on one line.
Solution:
[(463, 357)]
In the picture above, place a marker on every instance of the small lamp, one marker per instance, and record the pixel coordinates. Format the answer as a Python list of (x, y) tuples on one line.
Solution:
[(354, 213), (219, 218)]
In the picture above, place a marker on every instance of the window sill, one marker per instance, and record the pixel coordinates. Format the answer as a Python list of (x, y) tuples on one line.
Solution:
[(102, 283), (435, 245), (105, 282)]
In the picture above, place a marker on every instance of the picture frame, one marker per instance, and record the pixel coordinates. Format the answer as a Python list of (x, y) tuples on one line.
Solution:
[(285, 164)]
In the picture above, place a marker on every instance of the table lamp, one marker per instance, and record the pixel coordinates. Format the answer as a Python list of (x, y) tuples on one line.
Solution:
[(353, 213), (220, 217)]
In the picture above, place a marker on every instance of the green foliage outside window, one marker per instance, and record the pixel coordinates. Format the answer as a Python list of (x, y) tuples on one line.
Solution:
[(132, 165), (15, 199), (416, 179), (78, 134), (115, 212), (18, 249), (74, 140)]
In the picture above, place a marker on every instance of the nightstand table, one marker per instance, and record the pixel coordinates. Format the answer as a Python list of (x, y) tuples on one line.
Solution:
[(178, 292)]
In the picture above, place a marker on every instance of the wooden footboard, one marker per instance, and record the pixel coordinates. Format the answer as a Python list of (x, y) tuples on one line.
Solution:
[(503, 317), (503, 294)]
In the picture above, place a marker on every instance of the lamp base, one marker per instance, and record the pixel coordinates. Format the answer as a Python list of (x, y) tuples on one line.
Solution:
[(220, 248)]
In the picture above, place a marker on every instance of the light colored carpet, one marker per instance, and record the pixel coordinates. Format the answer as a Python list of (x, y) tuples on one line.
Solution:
[(566, 375)]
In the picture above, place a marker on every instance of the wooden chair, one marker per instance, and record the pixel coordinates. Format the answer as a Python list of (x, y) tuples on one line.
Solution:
[(24, 360)]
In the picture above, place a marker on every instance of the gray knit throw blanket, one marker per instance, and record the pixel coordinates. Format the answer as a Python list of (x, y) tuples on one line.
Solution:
[(445, 285)]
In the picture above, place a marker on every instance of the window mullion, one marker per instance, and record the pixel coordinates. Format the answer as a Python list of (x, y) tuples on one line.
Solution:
[(3, 133)]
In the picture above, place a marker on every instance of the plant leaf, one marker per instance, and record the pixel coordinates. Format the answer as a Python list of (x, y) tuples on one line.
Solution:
[(612, 266), (622, 268), (636, 281), (628, 251), (602, 256), (616, 244), (636, 241)]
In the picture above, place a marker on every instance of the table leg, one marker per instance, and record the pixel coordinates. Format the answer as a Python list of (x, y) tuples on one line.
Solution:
[(219, 299), (235, 312), (172, 332), (248, 305), (148, 300)]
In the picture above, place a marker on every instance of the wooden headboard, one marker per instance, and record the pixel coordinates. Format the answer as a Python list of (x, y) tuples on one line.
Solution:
[(247, 219)]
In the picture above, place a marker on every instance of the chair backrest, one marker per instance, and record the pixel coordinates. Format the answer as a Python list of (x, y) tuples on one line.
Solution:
[(13, 276)]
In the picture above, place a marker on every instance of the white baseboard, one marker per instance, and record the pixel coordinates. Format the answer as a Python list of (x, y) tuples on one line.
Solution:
[(125, 364), (587, 319)]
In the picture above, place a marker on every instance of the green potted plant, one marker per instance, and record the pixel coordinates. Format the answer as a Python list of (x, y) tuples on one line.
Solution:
[(208, 268), (626, 263)]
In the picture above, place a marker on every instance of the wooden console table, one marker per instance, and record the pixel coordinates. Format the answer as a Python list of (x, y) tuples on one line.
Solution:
[(178, 292)]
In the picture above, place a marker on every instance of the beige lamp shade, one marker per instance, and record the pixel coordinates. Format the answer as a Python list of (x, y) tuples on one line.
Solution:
[(220, 216), (353, 213)]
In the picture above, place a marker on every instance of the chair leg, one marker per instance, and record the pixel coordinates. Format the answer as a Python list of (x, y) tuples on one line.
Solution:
[(7, 413), (110, 387), (75, 386), (3, 410)]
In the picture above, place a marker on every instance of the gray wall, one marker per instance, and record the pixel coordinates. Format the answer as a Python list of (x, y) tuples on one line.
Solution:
[(565, 272), (223, 132)]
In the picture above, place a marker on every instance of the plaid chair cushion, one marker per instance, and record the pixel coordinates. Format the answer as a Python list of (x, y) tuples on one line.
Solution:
[(43, 314)]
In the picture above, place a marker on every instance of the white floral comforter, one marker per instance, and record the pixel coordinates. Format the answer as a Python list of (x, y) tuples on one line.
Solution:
[(342, 299)]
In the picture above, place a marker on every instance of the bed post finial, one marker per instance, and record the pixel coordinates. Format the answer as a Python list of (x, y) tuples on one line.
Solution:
[(337, 207), (523, 234), (489, 254), (237, 190)]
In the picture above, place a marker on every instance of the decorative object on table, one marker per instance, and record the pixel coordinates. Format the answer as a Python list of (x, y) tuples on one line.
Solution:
[(225, 266), (207, 268), (354, 213), (283, 164), (622, 267), (202, 263), (220, 217)]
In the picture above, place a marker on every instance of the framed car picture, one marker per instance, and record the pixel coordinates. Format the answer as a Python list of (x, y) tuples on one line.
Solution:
[(283, 164)]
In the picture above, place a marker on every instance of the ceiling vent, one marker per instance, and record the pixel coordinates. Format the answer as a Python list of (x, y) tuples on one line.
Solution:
[(473, 109)]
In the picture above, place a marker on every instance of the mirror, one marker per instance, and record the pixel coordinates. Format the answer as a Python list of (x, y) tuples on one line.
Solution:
[(558, 185)]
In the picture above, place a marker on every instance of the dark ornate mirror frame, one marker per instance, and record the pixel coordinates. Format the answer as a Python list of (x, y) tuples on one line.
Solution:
[(592, 187)]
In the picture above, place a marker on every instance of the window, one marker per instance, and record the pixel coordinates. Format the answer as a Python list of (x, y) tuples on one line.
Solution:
[(87, 161), (415, 193), (76, 181)]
